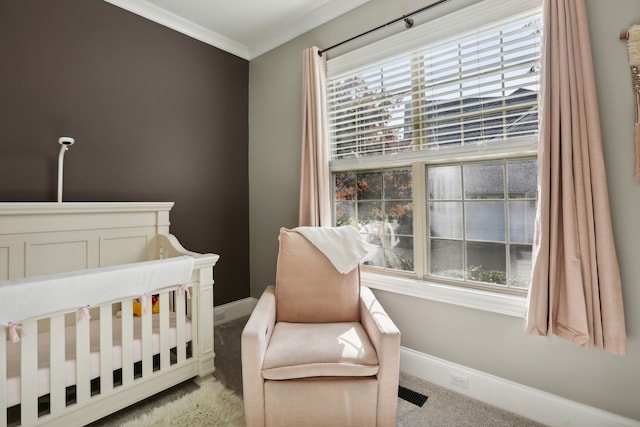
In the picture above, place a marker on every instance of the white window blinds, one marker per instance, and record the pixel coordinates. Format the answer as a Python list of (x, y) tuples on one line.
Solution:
[(474, 87)]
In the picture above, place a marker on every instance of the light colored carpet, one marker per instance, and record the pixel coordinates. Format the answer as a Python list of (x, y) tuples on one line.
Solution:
[(210, 405), (444, 407)]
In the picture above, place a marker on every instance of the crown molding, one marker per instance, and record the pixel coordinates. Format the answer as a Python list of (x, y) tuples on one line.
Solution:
[(177, 23), (302, 24), (284, 33)]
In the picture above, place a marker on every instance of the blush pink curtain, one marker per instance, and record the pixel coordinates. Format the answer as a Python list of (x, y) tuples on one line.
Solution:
[(315, 197), (575, 291)]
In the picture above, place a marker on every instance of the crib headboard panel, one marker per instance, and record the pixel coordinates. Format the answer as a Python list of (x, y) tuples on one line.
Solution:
[(48, 238)]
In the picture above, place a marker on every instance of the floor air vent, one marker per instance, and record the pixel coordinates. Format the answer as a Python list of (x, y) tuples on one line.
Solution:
[(411, 396)]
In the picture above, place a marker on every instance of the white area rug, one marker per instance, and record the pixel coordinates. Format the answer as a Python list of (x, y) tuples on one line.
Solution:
[(211, 405)]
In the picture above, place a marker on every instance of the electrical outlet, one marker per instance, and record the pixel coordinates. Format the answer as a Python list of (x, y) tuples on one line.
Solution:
[(220, 314), (459, 380)]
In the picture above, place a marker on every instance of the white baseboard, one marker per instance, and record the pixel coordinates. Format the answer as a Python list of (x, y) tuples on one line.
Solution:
[(528, 402), (233, 310)]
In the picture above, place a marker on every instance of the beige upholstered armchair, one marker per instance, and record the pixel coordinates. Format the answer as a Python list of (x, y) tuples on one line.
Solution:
[(318, 349)]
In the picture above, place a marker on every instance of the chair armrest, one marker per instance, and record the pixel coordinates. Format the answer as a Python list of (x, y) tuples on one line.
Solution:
[(385, 337), (381, 329), (255, 339)]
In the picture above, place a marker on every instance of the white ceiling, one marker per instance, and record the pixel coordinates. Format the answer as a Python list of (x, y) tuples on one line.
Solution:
[(246, 28)]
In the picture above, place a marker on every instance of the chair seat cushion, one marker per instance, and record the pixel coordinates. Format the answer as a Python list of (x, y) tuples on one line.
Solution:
[(306, 350)]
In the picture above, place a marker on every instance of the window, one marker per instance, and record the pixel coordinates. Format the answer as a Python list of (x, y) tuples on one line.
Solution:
[(380, 204), (480, 221), (433, 148)]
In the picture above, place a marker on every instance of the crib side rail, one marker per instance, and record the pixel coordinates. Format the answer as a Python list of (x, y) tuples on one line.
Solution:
[(202, 293), (152, 331)]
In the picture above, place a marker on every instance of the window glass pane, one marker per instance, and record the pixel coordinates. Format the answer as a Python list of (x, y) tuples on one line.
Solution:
[(375, 257), (485, 221), (345, 213), (522, 216), (400, 217), (484, 181), (369, 186), (445, 220), (446, 259), (520, 260), (399, 253), (522, 176), (379, 204), (372, 231), (367, 111), (370, 213), (345, 186), (489, 256), (486, 262), (398, 185), (378, 234), (444, 182)]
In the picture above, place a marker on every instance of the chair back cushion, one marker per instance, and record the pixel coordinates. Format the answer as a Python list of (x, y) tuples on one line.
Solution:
[(309, 289)]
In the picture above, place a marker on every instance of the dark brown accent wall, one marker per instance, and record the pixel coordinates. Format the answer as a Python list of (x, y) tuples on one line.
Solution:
[(157, 116)]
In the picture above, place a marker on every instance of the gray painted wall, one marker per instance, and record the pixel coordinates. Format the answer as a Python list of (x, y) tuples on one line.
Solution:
[(485, 341)]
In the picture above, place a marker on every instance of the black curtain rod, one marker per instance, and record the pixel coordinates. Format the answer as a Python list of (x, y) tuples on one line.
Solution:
[(405, 18)]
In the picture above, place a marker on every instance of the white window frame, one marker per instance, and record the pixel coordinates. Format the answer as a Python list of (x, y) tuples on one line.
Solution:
[(451, 26)]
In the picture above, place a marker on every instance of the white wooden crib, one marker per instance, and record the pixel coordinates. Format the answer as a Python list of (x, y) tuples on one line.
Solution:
[(70, 362)]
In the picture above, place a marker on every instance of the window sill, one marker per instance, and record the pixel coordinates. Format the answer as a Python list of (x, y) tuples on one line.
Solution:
[(510, 305)]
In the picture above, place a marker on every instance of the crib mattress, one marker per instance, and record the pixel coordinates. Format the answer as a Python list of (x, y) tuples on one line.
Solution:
[(13, 353)]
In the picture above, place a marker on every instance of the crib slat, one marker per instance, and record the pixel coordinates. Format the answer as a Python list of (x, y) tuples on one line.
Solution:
[(106, 349), (147, 351), (57, 362), (165, 344), (127, 342), (3, 375), (28, 373), (180, 326), (83, 373)]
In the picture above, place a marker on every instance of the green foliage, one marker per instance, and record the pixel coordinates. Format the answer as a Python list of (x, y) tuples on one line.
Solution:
[(406, 264), (478, 274)]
